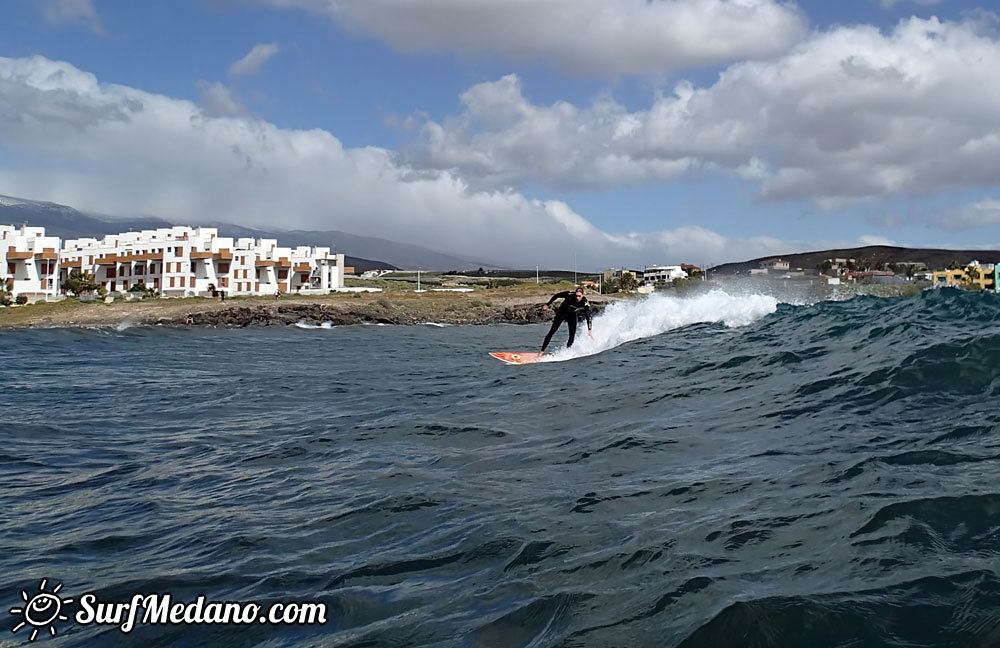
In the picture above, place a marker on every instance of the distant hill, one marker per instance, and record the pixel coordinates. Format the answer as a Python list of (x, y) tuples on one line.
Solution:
[(868, 256), (68, 223)]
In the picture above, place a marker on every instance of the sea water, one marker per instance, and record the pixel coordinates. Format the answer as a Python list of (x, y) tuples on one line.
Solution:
[(721, 470)]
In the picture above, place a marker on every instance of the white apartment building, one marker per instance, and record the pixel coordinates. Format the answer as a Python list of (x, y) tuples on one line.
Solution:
[(663, 274), (29, 262), (185, 262)]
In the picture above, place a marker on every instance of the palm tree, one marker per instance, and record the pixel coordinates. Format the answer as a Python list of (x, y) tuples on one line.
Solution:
[(973, 274)]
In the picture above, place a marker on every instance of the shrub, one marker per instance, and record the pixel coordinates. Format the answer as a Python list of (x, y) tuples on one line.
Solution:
[(79, 283), (21, 300)]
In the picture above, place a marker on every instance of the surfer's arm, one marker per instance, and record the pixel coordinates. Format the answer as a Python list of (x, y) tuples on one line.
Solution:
[(559, 295), (590, 322)]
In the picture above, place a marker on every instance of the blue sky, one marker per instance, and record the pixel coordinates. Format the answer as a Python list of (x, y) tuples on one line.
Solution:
[(625, 131)]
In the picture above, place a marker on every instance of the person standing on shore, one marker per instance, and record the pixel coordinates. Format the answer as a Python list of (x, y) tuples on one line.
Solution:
[(568, 311)]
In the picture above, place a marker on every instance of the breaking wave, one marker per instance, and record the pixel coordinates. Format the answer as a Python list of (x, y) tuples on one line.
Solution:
[(626, 321)]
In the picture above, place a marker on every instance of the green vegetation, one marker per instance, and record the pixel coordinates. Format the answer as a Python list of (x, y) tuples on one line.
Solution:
[(79, 283), (628, 283), (148, 293)]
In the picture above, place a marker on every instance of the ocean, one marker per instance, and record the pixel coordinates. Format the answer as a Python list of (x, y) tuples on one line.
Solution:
[(726, 469)]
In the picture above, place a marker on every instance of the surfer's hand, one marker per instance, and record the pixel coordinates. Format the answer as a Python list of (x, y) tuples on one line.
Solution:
[(591, 334), (545, 307)]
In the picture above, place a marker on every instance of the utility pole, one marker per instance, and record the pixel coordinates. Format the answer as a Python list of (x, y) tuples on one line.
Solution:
[(536, 275)]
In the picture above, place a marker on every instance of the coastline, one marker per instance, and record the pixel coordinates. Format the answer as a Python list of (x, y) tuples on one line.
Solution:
[(398, 308)]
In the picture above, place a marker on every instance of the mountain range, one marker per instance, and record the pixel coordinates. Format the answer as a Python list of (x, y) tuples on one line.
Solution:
[(361, 252)]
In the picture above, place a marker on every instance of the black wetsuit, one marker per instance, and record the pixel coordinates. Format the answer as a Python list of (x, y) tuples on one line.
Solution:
[(568, 312)]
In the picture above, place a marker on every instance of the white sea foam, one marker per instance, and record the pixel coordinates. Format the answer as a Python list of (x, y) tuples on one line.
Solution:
[(313, 327), (625, 321), (437, 324)]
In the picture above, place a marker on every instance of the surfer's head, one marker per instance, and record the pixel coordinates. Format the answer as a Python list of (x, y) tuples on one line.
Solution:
[(579, 293)]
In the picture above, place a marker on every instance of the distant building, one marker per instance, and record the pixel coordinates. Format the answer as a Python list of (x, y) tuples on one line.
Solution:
[(663, 274), (29, 262), (984, 276), (775, 265), (185, 262), (613, 273)]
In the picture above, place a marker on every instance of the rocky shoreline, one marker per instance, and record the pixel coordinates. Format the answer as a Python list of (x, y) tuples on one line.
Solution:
[(318, 314), (399, 309)]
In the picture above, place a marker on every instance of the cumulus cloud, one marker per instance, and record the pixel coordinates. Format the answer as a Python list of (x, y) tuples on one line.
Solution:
[(63, 12), (112, 149), (585, 37), (252, 62), (847, 115), (984, 213), (217, 100)]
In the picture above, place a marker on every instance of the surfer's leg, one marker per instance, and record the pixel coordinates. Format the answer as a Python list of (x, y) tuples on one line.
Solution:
[(571, 321), (555, 326)]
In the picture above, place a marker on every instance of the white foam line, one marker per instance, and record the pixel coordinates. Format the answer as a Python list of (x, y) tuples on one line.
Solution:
[(625, 321)]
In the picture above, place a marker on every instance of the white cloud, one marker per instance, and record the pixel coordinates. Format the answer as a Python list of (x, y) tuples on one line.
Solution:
[(217, 100), (872, 239), (62, 12), (68, 138), (252, 62), (586, 37), (984, 213), (847, 115), (889, 4)]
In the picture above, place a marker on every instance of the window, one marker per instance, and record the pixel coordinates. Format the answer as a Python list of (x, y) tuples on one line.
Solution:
[(111, 272), (171, 282), (11, 267), (223, 268), (182, 282)]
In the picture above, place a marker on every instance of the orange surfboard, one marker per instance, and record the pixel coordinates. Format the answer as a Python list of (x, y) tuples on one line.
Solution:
[(517, 357)]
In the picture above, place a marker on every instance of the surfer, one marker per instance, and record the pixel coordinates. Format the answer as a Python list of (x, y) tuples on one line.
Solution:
[(572, 304)]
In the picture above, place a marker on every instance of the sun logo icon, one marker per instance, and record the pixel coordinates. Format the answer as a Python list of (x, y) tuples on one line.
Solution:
[(41, 610)]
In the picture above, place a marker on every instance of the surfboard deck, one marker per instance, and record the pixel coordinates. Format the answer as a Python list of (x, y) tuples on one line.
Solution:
[(517, 357)]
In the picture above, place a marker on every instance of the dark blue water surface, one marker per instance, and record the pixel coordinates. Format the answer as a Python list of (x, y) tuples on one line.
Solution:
[(824, 475)]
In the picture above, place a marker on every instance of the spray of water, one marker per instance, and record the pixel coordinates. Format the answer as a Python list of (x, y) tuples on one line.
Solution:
[(625, 321)]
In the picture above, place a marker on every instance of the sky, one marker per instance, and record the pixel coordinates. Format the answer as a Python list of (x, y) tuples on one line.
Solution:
[(559, 133)]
